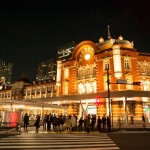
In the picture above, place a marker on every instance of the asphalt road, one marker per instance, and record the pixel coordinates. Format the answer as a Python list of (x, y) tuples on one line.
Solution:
[(136, 140), (59, 141), (131, 141)]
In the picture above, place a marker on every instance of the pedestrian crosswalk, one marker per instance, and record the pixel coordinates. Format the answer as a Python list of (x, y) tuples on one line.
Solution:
[(59, 141)]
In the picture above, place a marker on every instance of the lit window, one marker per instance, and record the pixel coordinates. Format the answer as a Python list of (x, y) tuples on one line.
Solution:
[(106, 65), (126, 64)]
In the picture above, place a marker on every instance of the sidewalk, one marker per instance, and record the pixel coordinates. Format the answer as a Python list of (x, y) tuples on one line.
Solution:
[(124, 129)]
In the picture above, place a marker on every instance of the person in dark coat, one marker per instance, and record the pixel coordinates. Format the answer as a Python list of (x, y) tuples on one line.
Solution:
[(26, 121), (88, 124), (93, 121), (80, 124), (49, 121), (44, 122), (37, 123), (104, 122), (99, 122), (108, 124)]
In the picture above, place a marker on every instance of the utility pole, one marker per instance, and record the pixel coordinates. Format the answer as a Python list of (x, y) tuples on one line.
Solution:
[(108, 95)]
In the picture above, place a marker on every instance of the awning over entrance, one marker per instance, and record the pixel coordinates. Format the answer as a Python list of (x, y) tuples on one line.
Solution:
[(30, 103), (113, 94)]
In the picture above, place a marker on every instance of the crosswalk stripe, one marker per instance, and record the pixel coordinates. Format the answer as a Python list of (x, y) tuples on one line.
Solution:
[(55, 146), (50, 140), (97, 148), (59, 141), (64, 136)]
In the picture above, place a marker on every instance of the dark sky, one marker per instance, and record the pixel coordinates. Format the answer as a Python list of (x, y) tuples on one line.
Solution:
[(31, 31)]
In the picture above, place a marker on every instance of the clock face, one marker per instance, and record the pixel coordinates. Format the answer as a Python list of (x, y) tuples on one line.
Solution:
[(87, 56)]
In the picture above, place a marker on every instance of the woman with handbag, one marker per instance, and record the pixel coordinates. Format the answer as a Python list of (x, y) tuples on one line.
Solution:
[(37, 124)]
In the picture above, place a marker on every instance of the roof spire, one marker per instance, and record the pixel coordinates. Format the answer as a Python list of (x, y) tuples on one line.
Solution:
[(109, 37)]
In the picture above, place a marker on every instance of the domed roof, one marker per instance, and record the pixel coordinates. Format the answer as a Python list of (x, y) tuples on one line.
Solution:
[(116, 43), (110, 42)]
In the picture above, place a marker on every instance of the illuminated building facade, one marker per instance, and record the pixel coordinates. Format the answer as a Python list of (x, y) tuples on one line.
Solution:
[(85, 73), (81, 84)]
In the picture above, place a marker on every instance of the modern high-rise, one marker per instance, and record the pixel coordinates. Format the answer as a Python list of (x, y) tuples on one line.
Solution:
[(5, 72), (65, 51), (46, 70)]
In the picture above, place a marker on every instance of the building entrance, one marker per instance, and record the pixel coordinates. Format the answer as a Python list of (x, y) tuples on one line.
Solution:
[(92, 110)]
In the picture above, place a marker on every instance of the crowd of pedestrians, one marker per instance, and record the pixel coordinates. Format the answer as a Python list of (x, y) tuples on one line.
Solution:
[(72, 123), (52, 122), (60, 123)]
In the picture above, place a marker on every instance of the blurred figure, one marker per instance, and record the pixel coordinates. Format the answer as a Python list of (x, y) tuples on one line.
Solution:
[(49, 121), (26, 121), (99, 121), (37, 124), (73, 122), (44, 122), (132, 118), (68, 124), (144, 123), (93, 121), (108, 124), (104, 122), (80, 124), (88, 123)]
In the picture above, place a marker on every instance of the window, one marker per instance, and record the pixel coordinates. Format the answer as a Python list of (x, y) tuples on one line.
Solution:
[(106, 65), (129, 81), (66, 88), (88, 72), (94, 71), (126, 64)]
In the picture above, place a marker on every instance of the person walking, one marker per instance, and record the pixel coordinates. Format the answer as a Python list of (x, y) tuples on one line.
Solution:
[(37, 124), (26, 122)]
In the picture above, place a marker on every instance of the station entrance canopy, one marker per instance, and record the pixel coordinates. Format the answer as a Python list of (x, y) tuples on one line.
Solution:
[(113, 94), (45, 102)]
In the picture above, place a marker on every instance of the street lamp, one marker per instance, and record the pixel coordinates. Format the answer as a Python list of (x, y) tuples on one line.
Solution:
[(108, 96)]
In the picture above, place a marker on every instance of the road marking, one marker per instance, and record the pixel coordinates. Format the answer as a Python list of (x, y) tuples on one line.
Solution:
[(59, 142)]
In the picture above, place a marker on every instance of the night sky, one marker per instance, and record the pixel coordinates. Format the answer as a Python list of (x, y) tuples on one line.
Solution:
[(31, 31)]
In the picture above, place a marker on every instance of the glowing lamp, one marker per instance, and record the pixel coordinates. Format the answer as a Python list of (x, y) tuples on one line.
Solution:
[(101, 40), (98, 101)]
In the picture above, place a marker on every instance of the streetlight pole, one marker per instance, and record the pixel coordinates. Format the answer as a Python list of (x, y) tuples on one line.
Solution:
[(108, 95)]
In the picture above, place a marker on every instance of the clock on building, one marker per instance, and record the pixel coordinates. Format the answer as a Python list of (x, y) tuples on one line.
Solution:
[(87, 56)]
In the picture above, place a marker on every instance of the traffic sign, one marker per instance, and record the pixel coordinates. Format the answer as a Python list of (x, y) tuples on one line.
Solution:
[(121, 81)]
